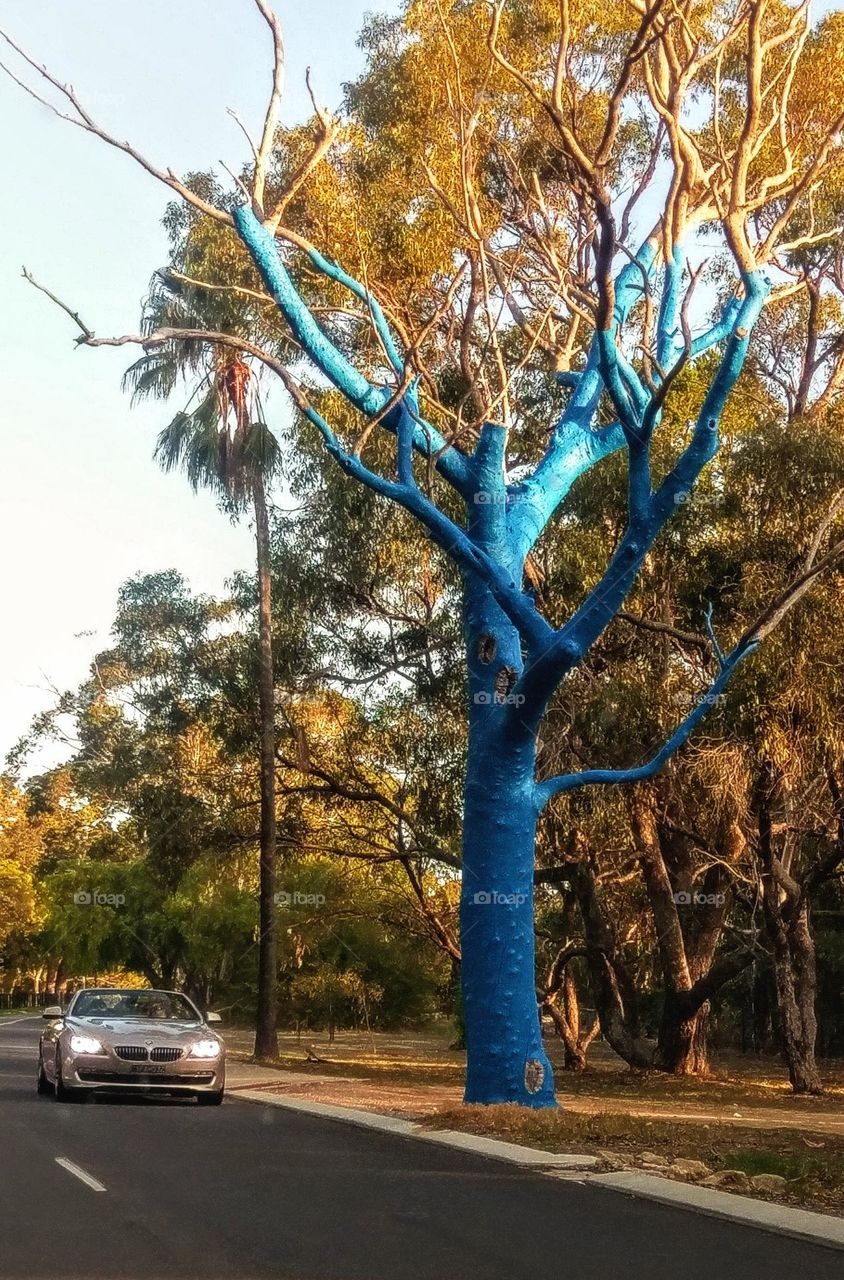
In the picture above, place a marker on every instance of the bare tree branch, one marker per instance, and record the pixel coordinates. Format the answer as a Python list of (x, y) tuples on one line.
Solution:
[(84, 120), (271, 118)]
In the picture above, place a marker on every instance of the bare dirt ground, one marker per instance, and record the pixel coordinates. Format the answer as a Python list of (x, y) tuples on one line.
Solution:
[(416, 1074)]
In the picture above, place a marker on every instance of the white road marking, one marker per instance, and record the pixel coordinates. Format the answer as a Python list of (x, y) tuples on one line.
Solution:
[(79, 1173), (10, 1022)]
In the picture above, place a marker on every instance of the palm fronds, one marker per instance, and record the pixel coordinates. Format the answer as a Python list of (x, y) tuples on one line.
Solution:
[(222, 443)]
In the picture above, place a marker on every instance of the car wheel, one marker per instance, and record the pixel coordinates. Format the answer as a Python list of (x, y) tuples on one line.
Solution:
[(43, 1086), (210, 1099), (64, 1093)]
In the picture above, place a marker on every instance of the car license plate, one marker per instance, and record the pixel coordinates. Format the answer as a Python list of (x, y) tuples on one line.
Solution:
[(147, 1068)]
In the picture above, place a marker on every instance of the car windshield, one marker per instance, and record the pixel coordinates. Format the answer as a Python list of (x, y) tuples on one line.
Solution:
[(157, 1006)]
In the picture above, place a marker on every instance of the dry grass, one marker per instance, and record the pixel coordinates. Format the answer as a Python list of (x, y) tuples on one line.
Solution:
[(426, 1058), (411, 1058)]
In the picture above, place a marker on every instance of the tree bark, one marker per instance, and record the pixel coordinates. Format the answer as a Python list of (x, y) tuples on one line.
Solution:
[(688, 926), (795, 975), (561, 1001), (266, 1032), (506, 1060), (612, 990), (785, 902), (681, 1045), (683, 1048), (575, 1057)]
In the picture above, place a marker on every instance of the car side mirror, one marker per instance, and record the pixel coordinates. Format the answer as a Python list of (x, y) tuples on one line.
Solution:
[(52, 1011), (213, 1017)]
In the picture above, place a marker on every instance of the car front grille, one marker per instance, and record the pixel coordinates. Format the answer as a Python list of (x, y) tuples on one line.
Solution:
[(131, 1052), (162, 1082), (165, 1053)]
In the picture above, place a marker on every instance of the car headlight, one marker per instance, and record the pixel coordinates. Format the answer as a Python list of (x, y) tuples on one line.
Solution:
[(85, 1044), (205, 1049)]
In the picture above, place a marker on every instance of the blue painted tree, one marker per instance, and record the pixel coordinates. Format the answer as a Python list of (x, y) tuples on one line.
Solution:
[(745, 172)]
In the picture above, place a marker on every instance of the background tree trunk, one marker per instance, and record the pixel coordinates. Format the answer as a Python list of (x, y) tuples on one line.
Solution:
[(683, 1047), (795, 974), (688, 917), (459, 1041), (266, 1033), (562, 1003), (786, 905), (613, 992)]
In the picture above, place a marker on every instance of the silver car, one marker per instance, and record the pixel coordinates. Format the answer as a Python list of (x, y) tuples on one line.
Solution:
[(139, 1040)]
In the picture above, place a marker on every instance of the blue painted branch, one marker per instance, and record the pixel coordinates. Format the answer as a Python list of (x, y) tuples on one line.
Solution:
[(321, 350), (404, 449), (704, 443), (487, 519), (574, 447), (488, 458), (627, 397), (719, 331), (756, 287), (533, 502), (331, 362), (545, 791), (713, 639), (669, 310), (572, 641), (548, 667), (335, 272), (451, 539)]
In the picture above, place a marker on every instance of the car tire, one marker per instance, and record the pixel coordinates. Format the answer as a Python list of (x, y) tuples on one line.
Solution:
[(44, 1087), (63, 1092), (210, 1099)]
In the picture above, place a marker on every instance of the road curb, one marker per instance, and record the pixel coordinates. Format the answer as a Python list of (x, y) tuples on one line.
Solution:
[(764, 1215), (364, 1119), (526, 1157), (472, 1144)]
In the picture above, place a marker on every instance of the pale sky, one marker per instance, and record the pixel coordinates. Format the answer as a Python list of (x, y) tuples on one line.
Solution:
[(84, 507)]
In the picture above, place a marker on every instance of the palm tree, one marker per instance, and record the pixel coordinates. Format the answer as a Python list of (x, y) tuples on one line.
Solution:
[(223, 444)]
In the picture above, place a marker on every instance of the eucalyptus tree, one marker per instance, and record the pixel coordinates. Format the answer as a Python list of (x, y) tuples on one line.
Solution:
[(157, 805), (21, 849), (670, 882), (545, 254), (159, 796)]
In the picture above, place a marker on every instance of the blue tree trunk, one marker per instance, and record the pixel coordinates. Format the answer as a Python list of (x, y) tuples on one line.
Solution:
[(506, 1061)]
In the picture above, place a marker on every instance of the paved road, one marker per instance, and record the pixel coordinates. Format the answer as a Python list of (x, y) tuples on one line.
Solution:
[(248, 1191)]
